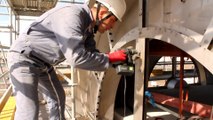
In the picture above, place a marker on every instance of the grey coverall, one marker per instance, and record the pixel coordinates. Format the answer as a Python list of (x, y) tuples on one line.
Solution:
[(59, 34)]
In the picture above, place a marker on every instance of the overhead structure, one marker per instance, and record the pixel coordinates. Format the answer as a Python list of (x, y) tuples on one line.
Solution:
[(31, 7)]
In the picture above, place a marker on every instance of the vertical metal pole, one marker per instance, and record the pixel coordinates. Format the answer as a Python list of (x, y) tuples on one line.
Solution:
[(15, 27), (139, 81), (72, 94), (11, 25), (181, 85), (139, 70), (18, 32), (174, 65)]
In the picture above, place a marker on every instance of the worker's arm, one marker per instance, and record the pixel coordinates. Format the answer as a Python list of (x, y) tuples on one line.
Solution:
[(68, 26), (90, 44)]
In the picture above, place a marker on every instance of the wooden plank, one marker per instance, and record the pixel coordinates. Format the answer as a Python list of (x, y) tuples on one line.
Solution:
[(5, 97), (9, 109)]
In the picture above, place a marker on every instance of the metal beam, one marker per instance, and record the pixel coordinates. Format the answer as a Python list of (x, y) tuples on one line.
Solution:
[(201, 109), (4, 47), (138, 108), (11, 6)]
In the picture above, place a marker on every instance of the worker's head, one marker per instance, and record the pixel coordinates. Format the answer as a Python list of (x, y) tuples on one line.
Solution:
[(107, 13)]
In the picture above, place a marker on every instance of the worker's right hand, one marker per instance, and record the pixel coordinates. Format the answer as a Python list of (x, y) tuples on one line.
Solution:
[(117, 56)]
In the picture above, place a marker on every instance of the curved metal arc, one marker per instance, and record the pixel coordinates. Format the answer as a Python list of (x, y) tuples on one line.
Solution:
[(183, 38), (133, 34), (176, 38), (188, 32)]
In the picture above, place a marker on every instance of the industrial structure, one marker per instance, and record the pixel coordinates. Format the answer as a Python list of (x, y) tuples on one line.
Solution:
[(172, 73)]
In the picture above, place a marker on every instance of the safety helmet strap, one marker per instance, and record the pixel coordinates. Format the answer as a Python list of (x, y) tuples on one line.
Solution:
[(98, 22)]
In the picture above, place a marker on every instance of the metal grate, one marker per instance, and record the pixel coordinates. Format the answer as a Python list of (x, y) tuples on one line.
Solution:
[(31, 7)]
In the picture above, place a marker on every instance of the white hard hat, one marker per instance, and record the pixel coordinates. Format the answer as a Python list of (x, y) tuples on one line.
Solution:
[(117, 7)]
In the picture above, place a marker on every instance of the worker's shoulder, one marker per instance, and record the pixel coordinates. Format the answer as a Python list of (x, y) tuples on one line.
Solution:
[(72, 6), (73, 9), (67, 9)]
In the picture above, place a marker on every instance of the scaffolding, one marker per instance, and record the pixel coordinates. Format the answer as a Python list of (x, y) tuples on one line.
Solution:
[(13, 14)]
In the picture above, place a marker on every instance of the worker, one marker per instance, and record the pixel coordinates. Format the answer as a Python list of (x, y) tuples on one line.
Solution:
[(62, 33)]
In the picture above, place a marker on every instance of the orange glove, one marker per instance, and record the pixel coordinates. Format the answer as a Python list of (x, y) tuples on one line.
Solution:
[(117, 56)]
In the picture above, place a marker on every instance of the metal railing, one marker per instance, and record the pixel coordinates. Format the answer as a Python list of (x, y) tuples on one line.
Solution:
[(5, 86), (72, 85)]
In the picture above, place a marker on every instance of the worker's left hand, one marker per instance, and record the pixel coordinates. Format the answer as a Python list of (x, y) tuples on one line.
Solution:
[(117, 56)]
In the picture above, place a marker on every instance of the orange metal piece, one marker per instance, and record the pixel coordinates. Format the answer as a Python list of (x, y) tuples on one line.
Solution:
[(181, 86), (200, 109)]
